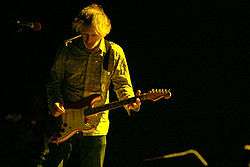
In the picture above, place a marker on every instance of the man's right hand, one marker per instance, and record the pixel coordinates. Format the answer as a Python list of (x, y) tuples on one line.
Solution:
[(57, 109)]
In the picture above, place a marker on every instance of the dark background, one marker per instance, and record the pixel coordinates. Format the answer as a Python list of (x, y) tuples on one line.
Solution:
[(198, 49)]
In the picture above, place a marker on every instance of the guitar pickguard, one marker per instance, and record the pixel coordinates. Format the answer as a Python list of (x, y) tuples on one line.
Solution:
[(74, 121)]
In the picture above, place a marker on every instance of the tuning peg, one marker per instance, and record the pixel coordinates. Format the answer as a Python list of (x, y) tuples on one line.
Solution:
[(169, 92), (161, 90), (165, 91)]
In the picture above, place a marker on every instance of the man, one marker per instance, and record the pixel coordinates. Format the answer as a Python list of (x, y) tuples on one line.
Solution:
[(84, 67)]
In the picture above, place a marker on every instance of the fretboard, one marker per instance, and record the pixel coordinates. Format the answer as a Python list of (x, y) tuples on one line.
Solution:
[(109, 106)]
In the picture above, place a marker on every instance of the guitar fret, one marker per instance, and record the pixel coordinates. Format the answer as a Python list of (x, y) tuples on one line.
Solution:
[(109, 106)]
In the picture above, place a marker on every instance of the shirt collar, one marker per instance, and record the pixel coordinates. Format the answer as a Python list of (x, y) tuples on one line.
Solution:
[(102, 46)]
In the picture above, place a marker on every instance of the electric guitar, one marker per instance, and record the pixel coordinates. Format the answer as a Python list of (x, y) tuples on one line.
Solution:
[(80, 117)]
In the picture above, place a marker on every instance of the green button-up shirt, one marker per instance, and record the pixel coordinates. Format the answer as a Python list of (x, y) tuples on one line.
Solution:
[(77, 74)]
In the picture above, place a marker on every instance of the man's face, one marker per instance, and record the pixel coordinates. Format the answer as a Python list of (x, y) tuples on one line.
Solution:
[(90, 37)]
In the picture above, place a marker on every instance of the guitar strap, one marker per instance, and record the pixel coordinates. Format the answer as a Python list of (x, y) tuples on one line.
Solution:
[(106, 56), (109, 62)]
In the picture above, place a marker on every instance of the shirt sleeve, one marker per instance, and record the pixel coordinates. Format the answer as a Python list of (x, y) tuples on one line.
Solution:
[(54, 83), (121, 78)]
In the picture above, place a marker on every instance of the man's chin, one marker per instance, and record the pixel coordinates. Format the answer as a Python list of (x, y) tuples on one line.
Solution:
[(89, 47)]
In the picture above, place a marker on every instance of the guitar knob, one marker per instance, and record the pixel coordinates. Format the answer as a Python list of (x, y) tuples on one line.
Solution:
[(62, 130)]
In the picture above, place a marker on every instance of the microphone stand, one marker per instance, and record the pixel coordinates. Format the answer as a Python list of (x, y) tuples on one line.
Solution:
[(67, 41)]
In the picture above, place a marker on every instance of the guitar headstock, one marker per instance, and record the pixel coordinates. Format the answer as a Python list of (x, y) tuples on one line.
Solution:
[(157, 94)]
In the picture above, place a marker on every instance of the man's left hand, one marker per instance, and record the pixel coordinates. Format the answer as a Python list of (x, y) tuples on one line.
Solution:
[(134, 106)]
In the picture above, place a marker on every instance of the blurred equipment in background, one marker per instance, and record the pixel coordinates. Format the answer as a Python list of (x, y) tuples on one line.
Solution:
[(32, 26)]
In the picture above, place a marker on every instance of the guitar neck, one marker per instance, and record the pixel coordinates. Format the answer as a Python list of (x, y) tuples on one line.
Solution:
[(109, 106), (153, 96)]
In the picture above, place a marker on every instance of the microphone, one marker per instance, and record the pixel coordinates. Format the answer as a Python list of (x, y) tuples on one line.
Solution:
[(35, 26)]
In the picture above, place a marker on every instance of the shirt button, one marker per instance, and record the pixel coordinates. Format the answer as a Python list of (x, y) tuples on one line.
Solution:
[(103, 87)]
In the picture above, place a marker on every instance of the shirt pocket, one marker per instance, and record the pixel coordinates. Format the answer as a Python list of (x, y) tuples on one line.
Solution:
[(75, 71)]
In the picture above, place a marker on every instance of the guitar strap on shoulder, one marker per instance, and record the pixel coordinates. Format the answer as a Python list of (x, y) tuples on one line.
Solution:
[(109, 61), (106, 56)]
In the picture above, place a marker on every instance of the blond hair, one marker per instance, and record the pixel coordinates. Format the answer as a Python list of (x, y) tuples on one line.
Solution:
[(93, 15)]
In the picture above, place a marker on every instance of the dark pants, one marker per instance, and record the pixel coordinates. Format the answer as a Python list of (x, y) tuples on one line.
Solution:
[(79, 151)]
